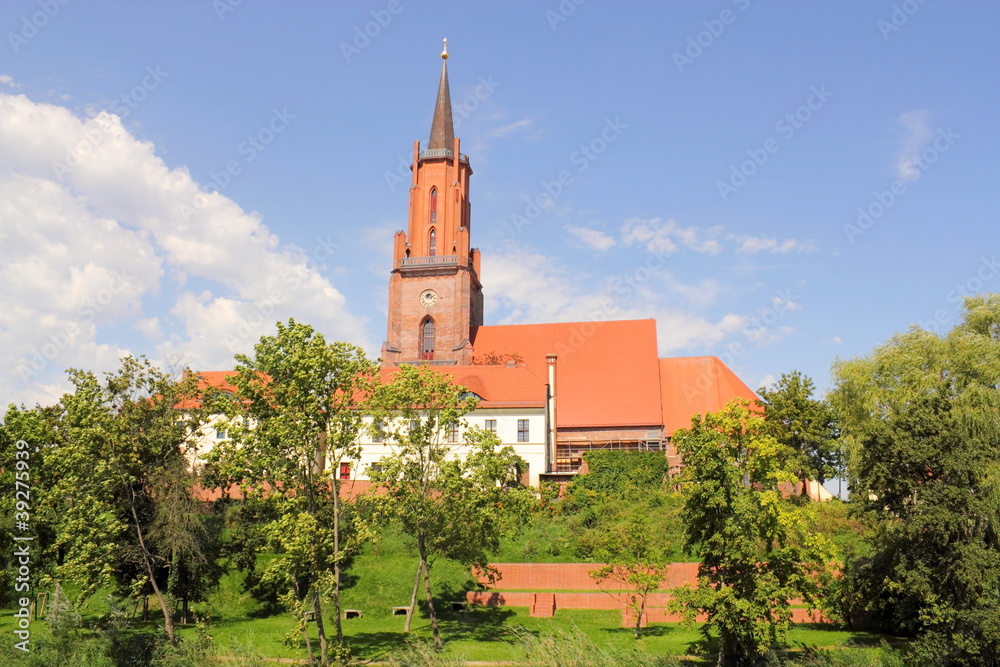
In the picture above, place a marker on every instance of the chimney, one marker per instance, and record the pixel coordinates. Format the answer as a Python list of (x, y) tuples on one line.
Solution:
[(550, 413)]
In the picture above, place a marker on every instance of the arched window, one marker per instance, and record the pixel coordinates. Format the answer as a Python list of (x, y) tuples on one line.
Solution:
[(427, 339), (434, 206), (432, 246)]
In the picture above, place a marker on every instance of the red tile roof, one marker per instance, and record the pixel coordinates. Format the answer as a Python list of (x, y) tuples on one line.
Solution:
[(696, 385), (606, 372), (499, 386), (217, 379), (608, 375)]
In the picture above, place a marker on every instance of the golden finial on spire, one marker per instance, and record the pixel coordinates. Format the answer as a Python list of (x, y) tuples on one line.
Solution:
[(444, 54)]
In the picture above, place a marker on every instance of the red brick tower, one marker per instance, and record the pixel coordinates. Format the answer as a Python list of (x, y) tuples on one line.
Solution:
[(435, 297)]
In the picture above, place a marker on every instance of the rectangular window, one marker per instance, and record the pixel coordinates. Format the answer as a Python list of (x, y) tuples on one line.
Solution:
[(522, 430), (491, 425), (378, 435), (220, 434), (453, 433), (345, 471)]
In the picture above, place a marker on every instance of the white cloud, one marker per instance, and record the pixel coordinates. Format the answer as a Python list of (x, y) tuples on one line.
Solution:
[(918, 134), (514, 294), (766, 381), (781, 304), (594, 239), (504, 130), (763, 335), (662, 237), (8, 80), (752, 245), (151, 327), (98, 230)]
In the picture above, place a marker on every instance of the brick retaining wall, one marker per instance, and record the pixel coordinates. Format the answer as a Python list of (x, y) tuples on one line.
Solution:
[(517, 580)]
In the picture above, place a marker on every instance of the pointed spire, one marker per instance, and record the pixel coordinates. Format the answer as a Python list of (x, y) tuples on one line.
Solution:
[(442, 127)]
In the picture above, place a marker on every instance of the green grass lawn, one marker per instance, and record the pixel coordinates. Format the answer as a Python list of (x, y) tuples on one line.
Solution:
[(382, 577), (496, 633)]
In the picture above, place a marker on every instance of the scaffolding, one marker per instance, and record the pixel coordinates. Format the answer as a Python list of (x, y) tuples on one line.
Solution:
[(569, 453)]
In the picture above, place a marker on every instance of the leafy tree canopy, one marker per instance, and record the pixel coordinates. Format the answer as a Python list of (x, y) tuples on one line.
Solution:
[(757, 551), (922, 423), (455, 500), (804, 424)]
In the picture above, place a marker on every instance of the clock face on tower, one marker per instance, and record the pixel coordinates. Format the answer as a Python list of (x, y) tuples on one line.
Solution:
[(428, 298)]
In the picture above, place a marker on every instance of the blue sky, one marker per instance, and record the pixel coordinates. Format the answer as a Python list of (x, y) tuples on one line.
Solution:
[(716, 159)]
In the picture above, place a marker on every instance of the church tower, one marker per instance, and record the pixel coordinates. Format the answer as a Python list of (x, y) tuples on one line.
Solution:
[(435, 297)]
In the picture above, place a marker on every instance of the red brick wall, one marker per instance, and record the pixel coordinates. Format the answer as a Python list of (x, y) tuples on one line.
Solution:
[(573, 576), (576, 577), (458, 296)]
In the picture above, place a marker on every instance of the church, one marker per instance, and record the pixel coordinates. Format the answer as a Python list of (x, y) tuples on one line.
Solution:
[(551, 391)]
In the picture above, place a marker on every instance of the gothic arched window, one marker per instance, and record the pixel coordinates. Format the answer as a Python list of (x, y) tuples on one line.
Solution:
[(427, 339), (432, 245), (434, 206)]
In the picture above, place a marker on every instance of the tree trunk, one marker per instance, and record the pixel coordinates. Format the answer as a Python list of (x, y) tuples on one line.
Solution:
[(309, 648), (305, 625), (184, 612), (336, 561), (318, 612), (413, 598), (638, 618), (310, 485), (168, 622), (728, 650), (145, 608), (427, 591)]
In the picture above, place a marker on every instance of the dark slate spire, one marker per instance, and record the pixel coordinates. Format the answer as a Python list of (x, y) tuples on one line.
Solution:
[(442, 127)]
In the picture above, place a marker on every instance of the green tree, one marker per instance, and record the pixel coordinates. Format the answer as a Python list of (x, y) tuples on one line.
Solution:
[(453, 507), (618, 476), (804, 424), (292, 422), (920, 416), (24, 472), (118, 455), (635, 557), (757, 551), (189, 538)]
